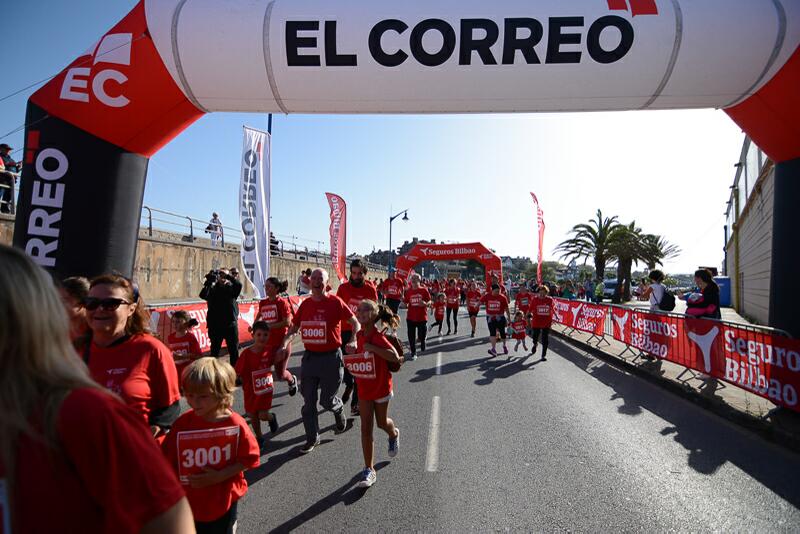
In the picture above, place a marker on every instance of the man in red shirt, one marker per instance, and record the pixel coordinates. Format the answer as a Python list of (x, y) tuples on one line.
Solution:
[(417, 300), (393, 291), (352, 292), (522, 301), (318, 320), (497, 317), (541, 319), (452, 296)]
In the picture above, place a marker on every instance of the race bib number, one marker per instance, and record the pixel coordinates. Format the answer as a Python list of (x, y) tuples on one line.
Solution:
[(543, 310), (262, 382), (198, 449), (452, 300), (314, 332), (393, 291), (361, 365), (353, 304), (5, 508), (474, 304), (523, 303), (493, 306), (269, 313), (416, 299)]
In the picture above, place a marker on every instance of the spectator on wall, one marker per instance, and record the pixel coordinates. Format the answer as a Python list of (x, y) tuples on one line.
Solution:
[(9, 172), (214, 228)]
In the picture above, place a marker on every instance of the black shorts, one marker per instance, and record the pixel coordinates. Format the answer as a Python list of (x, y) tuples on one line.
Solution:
[(473, 313), (394, 305), (497, 326)]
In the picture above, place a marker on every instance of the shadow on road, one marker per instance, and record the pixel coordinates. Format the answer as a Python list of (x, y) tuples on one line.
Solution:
[(346, 494), (709, 446), (446, 368), (501, 367)]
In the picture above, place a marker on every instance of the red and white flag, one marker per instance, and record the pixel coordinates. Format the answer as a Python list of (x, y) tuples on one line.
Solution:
[(338, 231), (540, 222)]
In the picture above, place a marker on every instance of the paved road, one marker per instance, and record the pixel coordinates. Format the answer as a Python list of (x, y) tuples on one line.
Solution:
[(567, 444)]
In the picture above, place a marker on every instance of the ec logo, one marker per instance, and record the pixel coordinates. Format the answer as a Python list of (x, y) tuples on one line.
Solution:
[(114, 49)]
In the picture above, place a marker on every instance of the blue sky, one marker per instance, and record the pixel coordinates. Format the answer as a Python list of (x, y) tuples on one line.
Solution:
[(462, 177)]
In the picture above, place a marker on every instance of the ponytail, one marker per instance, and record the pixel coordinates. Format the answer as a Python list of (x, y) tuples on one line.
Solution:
[(281, 285), (387, 316)]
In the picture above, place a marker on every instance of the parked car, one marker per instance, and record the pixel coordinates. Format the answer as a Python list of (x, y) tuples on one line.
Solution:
[(610, 288)]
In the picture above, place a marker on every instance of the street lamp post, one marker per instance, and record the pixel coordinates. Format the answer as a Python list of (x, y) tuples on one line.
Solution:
[(404, 213)]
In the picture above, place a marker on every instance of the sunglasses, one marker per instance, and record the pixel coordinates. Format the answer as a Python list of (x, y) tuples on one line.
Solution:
[(109, 304)]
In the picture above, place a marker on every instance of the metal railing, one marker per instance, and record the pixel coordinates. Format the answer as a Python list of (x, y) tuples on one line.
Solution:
[(13, 202)]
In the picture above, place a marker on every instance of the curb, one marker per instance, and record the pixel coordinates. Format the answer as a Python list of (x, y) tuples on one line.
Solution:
[(770, 431)]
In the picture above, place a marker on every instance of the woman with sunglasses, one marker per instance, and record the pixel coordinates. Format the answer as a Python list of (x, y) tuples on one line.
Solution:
[(71, 454), (125, 358)]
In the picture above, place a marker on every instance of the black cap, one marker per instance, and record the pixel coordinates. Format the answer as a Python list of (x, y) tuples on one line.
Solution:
[(3, 145)]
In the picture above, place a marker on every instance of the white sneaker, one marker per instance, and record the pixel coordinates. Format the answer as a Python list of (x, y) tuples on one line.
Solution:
[(368, 478), (394, 444)]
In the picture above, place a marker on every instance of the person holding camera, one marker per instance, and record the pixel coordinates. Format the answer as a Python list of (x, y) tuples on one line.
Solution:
[(221, 289)]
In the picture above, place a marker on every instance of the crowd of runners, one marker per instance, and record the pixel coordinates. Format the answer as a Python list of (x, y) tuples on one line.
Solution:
[(71, 351)]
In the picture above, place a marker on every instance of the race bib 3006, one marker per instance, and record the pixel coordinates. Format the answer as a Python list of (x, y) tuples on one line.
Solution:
[(361, 365), (314, 332)]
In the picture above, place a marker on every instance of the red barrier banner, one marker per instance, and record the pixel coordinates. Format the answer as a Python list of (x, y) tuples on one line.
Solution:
[(338, 230), (580, 315)]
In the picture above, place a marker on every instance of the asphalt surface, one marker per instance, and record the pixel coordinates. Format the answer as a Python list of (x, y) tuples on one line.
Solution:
[(567, 444)]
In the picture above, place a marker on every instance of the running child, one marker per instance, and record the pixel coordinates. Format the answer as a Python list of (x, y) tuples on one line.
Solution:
[(254, 368), (541, 319), (369, 366), (182, 341), (438, 312), (210, 446), (519, 328), (277, 313), (473, 305)]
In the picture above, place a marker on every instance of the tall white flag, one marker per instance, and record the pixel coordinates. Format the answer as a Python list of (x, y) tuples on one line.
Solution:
[(254, 192)]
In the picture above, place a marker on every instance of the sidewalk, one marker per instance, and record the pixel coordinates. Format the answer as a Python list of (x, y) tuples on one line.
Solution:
[(727, 400)]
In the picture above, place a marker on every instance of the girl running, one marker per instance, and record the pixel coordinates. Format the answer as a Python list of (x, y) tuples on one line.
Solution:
[(473, 304), (254, 367), (210, 446), (541, 319), (277, 313), (369, 367), (518, 327), (438, 313), (182, 341), (496, 315)]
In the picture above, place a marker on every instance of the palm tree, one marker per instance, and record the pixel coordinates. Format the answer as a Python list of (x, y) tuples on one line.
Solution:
[(657, 250), (590, 241), (626, 244)]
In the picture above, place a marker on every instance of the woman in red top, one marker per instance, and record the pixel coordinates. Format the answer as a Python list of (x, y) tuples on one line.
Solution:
[(277, 313), (497, 317), (123, 356), (473, 304), (541, 319), (438, 313), (368, 365), (210, 446), (453, 295), (71, 454), (417, 301), (182, 341)]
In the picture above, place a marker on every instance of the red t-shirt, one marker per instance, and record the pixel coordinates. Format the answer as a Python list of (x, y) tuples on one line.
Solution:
[(195, 444), (255, 369), (352, 296), (415, 299), (523, 301), (182, 349), (371, 372), (274, 312), (473, 301), (495, 304), (453, 296), (320, 322), (519, 329), (542, 312), (393, 289), (95, 483), (438, 310), (140, 370)]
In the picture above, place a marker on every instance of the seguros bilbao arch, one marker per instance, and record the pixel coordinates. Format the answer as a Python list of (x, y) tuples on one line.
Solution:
[(92, 128), (492, 264)]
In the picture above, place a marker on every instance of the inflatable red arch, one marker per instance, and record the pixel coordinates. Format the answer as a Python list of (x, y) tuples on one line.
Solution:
[(91, 129), (492, 264)]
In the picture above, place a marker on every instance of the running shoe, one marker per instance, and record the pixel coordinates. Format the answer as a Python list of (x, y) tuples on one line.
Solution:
[(448, 332), (273, 424), (293, 386), (505, 349), (492, 352), (472, 334), (309, 446), (354, 411), (341, 421), (394, 444), (367, 478), (412, 357), (533, 349), (544, 358)]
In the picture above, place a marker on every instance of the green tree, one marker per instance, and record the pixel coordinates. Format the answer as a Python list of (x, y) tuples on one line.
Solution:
[(590, 241), (657, 249), (626, 245)]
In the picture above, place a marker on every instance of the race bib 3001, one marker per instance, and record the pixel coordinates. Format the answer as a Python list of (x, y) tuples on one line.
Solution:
[(213, 448), (314, 332), (361, 365)]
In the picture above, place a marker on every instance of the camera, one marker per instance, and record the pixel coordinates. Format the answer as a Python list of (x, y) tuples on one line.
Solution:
[(213, 276)]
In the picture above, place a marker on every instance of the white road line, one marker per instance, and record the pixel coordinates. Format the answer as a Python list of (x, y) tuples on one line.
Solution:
[(432, 460), (438, 363)]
